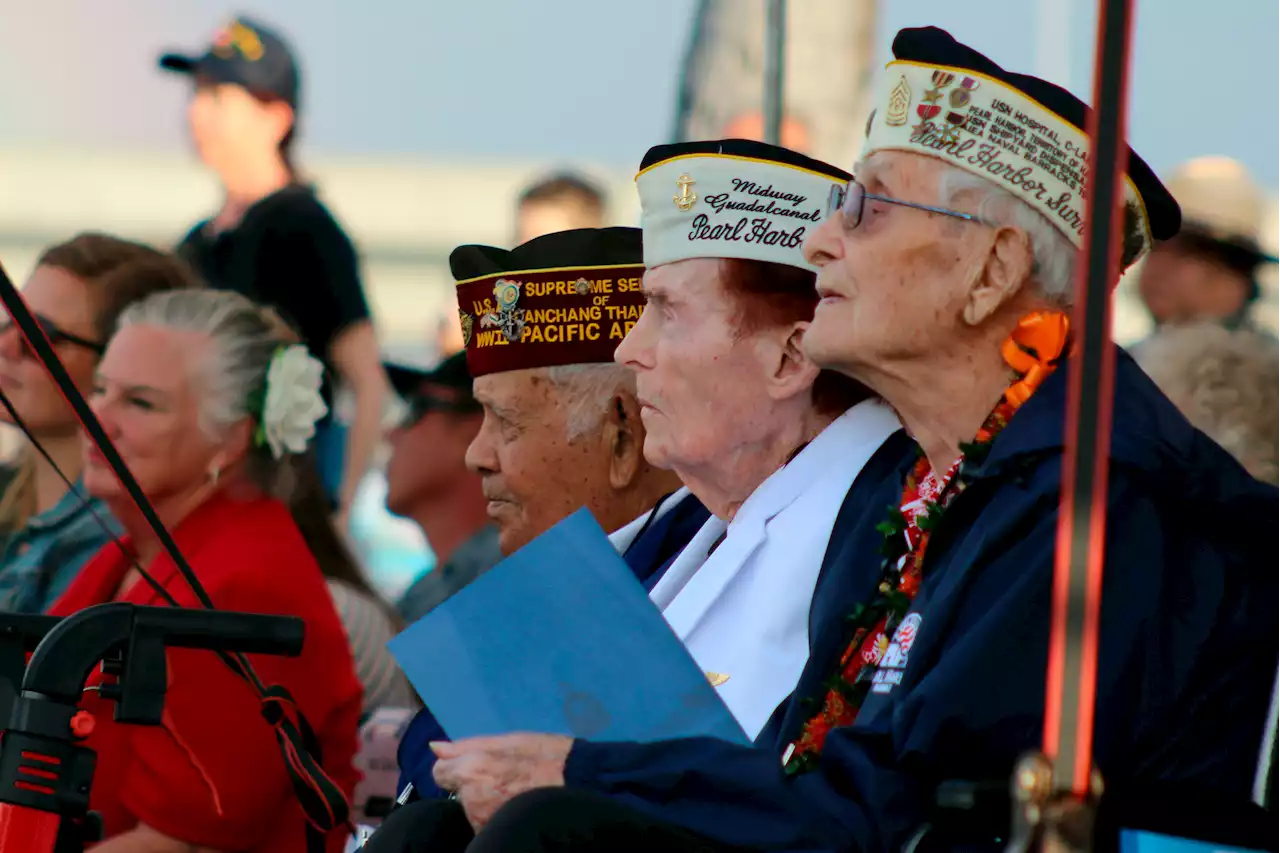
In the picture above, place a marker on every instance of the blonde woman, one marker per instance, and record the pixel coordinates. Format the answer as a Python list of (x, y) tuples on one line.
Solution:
[(76, 292)]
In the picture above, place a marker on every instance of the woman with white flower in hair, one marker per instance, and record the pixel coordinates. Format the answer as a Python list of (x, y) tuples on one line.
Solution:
[(211, 405)]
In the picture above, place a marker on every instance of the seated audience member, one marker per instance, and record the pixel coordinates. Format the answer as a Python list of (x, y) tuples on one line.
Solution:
[(943, 288), (428, 481), (1224, 381), (210, 404), (561, 427), (77, 291), (1208, 270), (368, 621), (558, 203), (763, 438)]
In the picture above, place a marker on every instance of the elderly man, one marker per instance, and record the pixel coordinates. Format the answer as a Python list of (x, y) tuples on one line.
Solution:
[(561, 427), (786, 456), (955, 313), (942, 291)]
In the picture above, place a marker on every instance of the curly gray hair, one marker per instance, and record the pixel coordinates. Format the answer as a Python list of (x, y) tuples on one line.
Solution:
[(1225, 383), (1055, 255), (587, 390)]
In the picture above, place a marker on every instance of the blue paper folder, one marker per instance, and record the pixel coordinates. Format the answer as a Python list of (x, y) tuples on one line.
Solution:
[(560, 638), (1136, 841)]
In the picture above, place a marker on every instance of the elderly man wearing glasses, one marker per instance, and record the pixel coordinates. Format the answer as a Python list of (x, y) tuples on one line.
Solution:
[(944, 276)]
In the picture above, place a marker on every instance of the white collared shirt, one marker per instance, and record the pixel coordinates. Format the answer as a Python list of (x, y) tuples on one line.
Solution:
[(743, 611), (624, 536)]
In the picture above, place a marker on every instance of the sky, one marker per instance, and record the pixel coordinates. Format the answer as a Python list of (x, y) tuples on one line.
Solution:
[(586, 80)]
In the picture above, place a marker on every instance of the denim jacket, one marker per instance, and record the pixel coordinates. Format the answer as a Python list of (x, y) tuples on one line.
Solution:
[(40, 560)]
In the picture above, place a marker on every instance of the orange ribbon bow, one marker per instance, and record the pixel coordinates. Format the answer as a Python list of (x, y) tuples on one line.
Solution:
[(1033, 351)]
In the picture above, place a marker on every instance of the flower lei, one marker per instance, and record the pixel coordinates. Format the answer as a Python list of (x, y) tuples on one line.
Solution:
[(1033, 352)]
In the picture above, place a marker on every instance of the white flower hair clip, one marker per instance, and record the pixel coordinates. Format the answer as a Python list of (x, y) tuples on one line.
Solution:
[(293, 403)]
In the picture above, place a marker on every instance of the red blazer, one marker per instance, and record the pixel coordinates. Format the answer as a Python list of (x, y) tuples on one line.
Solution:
[(212, 775)]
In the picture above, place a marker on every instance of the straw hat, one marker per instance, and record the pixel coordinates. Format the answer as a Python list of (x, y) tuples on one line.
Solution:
[(1220, 201)]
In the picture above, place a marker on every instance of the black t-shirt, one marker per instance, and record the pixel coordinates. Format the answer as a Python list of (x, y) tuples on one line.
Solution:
[(287, 252)]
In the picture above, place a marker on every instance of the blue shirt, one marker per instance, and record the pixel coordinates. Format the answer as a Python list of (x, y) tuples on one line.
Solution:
[(40, 560)]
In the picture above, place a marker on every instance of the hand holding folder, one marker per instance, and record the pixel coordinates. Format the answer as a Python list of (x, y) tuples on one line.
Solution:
[(560, 638)]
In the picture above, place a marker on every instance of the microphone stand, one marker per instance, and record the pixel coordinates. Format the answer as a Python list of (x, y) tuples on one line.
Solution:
[(46, 775), (20, 633)]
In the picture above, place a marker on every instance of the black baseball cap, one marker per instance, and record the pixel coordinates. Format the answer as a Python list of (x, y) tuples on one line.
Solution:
[(446, 386), (246, 54)]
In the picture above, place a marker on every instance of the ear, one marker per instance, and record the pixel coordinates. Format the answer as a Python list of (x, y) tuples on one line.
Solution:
[(1008, 267), (235, 446), (625, 434), (281, 116), (788, 371)]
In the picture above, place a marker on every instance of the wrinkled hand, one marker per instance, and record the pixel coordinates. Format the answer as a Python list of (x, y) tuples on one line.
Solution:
[(486, 772)]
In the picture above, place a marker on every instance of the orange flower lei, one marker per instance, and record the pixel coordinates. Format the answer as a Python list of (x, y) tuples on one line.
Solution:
[(1033, 351)]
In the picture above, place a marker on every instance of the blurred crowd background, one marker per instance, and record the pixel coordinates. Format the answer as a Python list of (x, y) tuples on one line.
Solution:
[(431, 123)]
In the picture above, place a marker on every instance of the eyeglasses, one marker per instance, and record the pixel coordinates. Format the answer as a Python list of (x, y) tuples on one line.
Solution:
[(55, 335), (850, 198)]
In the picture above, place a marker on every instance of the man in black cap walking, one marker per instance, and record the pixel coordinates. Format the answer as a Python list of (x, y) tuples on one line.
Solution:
[(273, 240)]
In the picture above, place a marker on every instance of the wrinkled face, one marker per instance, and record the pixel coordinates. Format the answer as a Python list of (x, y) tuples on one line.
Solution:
[(699, 379), (147, 395), (226, 121), (428, 457), (1178, 285), (63, 305), (532, 474), (895, 286)]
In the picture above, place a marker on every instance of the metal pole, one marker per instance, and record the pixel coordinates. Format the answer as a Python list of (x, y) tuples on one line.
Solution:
[(1073, 656), (775, 39), (693, 58)]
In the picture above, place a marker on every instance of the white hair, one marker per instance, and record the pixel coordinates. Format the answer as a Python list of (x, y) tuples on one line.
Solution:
[(587, 390), (233, 372), (1055, 256)]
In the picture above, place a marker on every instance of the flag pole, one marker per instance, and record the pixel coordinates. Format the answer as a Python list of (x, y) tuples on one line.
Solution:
[(775, 42), (1055, 791), (1073, 656)]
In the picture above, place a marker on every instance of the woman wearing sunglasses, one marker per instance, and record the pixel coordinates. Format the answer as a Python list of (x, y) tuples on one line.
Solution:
[(76, 292)]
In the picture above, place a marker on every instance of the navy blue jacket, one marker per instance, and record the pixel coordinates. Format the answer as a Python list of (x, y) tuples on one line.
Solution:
[(649, 555), (1187, 651)]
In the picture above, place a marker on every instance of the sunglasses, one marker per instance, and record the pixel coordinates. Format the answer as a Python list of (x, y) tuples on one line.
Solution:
[(851, 198), (55, 335)]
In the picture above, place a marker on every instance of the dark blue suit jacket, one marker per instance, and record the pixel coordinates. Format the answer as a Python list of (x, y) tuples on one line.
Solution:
[(1187, 648), (649, 555)]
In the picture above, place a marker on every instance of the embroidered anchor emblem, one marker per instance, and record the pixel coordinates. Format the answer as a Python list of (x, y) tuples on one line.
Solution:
[(685, 196)]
